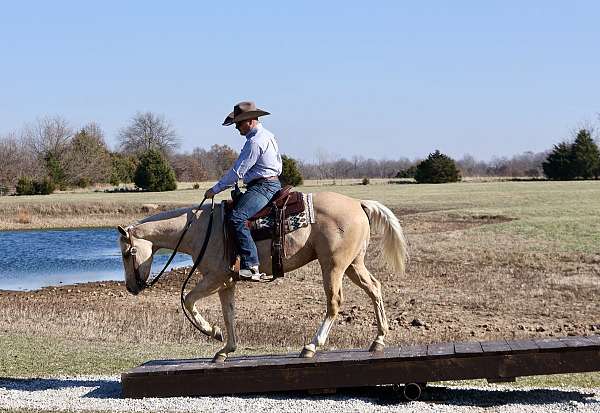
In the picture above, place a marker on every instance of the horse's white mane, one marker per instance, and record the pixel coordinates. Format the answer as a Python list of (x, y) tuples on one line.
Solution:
[(161, 216), (169, 214)]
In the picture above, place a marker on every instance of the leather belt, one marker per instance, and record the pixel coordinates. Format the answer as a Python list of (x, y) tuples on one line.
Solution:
[(266, 178)]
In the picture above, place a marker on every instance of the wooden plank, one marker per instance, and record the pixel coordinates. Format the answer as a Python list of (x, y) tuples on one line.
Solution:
[(248, 374), (440, 349), (549, 343), (496, 346), (467, 347), (494, 366), (412, 351), (594, 339), (522, 345), (576, 341)]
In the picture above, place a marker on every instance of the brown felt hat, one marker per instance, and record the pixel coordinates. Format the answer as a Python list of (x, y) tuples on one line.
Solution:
[(243, 111)]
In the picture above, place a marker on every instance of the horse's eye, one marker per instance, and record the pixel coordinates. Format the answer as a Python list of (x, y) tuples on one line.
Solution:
[(133, 250)]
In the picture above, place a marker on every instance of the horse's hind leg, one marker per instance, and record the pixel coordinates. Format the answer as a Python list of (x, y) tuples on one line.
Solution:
[(332, 281), (361, 276)]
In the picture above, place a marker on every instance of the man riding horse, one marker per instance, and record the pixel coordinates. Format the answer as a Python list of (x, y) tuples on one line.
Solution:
[(259, 166)]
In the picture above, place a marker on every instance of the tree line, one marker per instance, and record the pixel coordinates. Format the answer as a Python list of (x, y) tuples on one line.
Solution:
[(49, 153)]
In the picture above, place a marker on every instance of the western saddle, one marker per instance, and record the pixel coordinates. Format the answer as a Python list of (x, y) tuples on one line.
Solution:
[(284, 204)]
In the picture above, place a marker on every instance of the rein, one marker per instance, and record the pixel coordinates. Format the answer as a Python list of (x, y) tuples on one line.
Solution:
[(143, 284), (196, 263)]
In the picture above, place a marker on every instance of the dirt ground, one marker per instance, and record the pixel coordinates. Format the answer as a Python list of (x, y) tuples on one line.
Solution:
[(461, 284)]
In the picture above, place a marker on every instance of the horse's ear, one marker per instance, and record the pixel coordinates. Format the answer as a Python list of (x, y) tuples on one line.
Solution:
[(122, 231)]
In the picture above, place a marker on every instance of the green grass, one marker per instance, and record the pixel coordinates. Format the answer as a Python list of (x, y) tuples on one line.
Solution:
[(27, 356)]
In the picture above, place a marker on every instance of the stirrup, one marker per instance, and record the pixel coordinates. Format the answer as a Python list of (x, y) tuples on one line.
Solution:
[(253, 275)]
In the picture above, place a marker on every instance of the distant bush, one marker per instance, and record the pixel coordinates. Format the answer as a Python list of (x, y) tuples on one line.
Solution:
[(154, 173), (581, 159), (27, 186), (83, 182), (290, 174), (196, 186), (436, 169), (365, 181), (44, 187), (558, 164)]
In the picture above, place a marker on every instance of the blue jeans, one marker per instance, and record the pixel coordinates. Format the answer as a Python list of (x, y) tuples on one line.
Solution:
[(255, 198)]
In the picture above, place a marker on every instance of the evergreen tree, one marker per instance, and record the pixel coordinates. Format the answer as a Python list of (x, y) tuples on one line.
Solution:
[(437, 168), (559, 163), (55, 170), (87, 160), (122, 168), (290, 174), (154, 173), (585, 155)]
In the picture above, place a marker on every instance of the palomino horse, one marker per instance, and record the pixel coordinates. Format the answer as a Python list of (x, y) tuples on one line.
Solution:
[(338, 240)]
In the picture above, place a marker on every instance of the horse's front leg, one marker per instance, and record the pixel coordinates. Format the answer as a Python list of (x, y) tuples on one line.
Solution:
[(208, 285), (227, 296)]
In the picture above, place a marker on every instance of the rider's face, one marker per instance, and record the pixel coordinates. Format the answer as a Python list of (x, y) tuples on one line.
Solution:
[(244, 126)]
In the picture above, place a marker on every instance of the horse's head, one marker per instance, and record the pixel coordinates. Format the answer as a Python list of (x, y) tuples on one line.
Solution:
[(137, 260)]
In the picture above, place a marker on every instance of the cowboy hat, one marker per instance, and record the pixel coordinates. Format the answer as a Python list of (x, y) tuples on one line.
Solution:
[(243, 111)]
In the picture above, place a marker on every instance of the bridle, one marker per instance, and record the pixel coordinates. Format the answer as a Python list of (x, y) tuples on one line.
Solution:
[(131, 251), (142, 284)]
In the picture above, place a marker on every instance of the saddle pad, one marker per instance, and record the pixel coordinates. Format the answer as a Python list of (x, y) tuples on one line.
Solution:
[(292, 222)]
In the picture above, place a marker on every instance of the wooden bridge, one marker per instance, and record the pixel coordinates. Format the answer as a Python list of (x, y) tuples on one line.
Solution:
[(411, 366)]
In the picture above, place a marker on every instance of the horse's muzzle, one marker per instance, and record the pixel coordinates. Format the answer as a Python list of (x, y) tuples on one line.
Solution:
[(132, 290)]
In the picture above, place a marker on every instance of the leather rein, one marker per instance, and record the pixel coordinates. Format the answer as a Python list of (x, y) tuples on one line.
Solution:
[(142, 284)]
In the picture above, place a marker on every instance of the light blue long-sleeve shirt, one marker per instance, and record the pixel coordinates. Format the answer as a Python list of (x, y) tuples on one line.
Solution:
[(259, 158)]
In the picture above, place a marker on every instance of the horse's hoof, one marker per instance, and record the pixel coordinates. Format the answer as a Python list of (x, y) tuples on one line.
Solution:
[(218, 334), (219, 358), (307, 353), (376, 347)]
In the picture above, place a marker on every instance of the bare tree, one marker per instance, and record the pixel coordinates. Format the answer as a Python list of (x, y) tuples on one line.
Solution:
[(223, 157), (93, 130), (48, 136), (188, 168), (16, 160), (148, 130)]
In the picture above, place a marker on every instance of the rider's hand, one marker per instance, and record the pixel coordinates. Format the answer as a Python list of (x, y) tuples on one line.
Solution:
[(209, 194)]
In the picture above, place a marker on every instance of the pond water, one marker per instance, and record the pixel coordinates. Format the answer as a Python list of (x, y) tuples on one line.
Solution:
[(33, 259)]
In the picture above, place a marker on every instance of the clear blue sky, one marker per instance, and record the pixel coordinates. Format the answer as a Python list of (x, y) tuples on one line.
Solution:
[(377, 79)]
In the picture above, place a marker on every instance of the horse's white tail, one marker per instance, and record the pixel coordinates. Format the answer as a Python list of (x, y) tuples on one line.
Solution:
[(395, 248)]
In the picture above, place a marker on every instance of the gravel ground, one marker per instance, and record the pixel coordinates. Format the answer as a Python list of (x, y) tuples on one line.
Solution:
[(104, 393)]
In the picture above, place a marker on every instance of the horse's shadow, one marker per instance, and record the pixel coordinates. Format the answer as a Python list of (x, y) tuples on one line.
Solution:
[(102, 389), (380, 395)]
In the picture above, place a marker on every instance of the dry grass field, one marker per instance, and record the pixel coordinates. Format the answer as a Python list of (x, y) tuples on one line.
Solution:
[(488, 260)]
